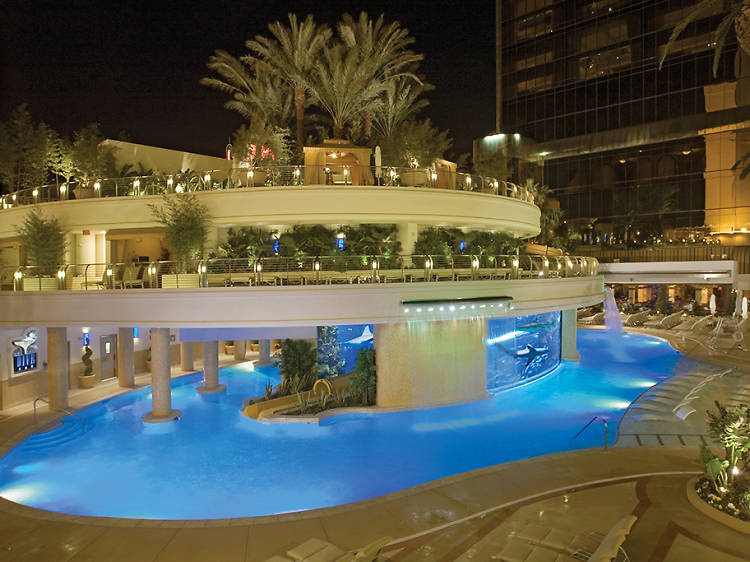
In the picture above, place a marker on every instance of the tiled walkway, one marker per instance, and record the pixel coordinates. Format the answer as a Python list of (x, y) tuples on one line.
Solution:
[(581, 491)]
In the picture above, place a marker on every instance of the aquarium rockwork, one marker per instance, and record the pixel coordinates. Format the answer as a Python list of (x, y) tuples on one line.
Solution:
[(521, 349)]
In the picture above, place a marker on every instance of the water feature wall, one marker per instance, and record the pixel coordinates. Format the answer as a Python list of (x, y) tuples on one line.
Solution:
[(522, 348), (612, 318)]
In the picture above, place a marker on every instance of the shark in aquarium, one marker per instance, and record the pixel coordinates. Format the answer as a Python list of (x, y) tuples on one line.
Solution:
[(534, 327), (530, 353)]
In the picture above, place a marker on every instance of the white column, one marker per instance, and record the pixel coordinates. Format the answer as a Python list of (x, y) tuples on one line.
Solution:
[(264, 353), (57, 368), (211, 369), (569, 349), (161, 380), (407, 235), (125, 358), (240, 350), (186, 356)]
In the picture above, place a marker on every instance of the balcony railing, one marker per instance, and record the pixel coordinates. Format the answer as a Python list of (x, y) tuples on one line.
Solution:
[(271, 176), (282, 271)]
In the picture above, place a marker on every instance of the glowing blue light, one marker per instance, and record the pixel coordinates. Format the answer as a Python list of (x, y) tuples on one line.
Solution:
[(135, 333), (276, 246), (340, 243), (462, 245)]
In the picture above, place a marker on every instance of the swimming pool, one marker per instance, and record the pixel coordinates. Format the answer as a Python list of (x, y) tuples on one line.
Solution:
[(216, 463)]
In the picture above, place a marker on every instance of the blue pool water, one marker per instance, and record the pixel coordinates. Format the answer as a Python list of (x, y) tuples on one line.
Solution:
[(216, 463)]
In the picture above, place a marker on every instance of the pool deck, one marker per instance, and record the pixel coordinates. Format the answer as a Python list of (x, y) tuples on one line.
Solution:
[(464, 517)]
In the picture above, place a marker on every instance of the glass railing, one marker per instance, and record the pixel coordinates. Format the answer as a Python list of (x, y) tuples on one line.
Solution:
[(271, 176), (293, 271)]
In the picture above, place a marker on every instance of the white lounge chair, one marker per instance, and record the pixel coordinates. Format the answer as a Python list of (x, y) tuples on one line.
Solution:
[(596, 319), (681, 414), (318, 550), (637, 318)]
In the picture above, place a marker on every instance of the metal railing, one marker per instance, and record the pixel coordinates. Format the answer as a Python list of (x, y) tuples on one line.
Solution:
[(40, 399), (308, 270), (266, 176), (592, 420)]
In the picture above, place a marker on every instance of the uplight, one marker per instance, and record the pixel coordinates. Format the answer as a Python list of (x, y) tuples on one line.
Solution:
[(35, 192), (207, 178), (63, 189), (60, 274), (137, 183), (170, 181), (17, 275), (178, 189)]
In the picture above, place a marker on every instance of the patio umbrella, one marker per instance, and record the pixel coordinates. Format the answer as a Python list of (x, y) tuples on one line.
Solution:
[(378, 163)]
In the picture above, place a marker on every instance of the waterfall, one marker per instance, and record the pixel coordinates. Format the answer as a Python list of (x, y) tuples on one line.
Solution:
[(612, 318)]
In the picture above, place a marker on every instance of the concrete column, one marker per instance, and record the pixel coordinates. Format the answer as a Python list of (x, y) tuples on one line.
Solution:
[(125, 358), (161, 380), (57, 368), (264, 353), (240, 349), (569, 349), (407, 235), (429, 363), (186, 356), (211, 369)]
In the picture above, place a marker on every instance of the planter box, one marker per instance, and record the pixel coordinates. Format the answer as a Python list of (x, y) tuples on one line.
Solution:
[(40, 284), (229, 349), (86, 381), (84, 193), (414, 178), (180, 280), (712, 513)]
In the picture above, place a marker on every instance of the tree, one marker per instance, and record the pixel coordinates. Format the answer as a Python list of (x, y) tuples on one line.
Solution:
[(260, 143), (23, 151), (493, 166), (330, 362), (299, 366), (43, 240), (382, 48), (92, 160), (292, 54), (737, 16), (254, 95), (60, 158), (415, 143), (364, 377), (399, 102), (245, 242), (187, 221)]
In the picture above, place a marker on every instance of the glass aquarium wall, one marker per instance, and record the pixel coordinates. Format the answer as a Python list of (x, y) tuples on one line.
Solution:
[(338, 347), (522, 348)]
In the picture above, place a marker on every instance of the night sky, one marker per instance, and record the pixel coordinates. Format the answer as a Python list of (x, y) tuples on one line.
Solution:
[(134, 67)]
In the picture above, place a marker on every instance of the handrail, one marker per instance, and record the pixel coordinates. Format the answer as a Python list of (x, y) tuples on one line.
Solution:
[(592, 420), (40, 399), (296, 176), (283, 270)]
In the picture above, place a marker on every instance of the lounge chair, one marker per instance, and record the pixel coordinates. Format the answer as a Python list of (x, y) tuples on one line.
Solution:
[(681, 413), (637, 318), (596, 319), (318, 550)]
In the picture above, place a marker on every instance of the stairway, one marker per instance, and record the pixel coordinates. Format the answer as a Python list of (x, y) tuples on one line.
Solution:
[(66, 432)]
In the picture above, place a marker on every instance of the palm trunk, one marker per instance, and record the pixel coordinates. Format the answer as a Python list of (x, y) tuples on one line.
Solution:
[(299, 106), (338, 129), (368, 123)]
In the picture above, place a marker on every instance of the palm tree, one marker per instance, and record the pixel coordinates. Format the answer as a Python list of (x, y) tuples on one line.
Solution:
[(343, 84), (737, 15), (254, 95), (292, 54), (383, 48), (400, 100)]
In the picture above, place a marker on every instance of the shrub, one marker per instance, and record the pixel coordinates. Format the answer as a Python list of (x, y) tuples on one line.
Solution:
[(44, 241), (364, 377), (299, 368), (187, 221)]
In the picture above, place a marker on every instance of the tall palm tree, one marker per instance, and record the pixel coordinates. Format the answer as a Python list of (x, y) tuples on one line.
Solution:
[(400, 100), (384, 47), (292, 54), (254, 95), (343, 84)]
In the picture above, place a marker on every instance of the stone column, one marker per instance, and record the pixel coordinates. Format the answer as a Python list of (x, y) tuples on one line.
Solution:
[(211, 369), (568, 347), (161, 379), (125, 358), (240, 349), (264, 353), (57, 368), (428, 363), (407, 235), (186, 356)]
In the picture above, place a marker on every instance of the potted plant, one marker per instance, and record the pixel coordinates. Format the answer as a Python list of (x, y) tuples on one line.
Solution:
[(187, 221), (87, 379), (229, 347), (43, 240)]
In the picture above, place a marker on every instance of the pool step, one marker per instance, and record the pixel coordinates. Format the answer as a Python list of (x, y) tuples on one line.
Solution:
[(66, 432)]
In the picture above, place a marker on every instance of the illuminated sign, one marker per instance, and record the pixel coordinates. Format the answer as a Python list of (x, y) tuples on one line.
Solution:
[(24, 352)]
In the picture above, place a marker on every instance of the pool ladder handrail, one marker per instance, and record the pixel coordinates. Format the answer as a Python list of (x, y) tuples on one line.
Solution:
[(592, 420), (40, 399)]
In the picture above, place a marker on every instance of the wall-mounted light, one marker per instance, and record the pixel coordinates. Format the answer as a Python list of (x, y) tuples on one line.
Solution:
[(35, 193)]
